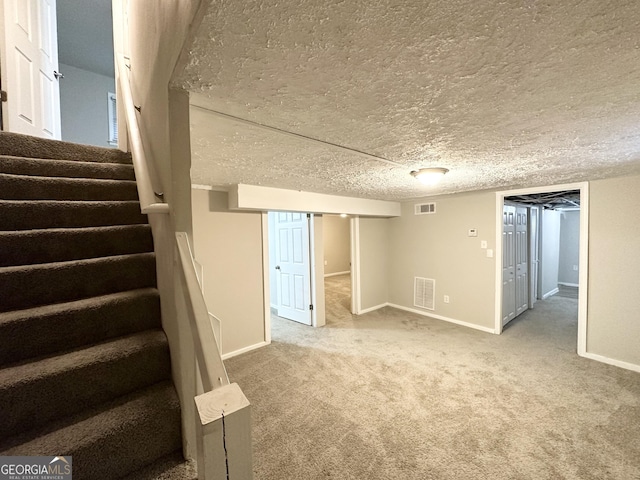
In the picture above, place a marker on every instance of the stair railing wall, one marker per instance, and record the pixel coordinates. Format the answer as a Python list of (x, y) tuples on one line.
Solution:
[(212, 371), (223, 415)]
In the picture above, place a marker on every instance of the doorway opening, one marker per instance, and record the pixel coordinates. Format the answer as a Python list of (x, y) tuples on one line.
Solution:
[(542, 243), (291, 270), (336, 236)]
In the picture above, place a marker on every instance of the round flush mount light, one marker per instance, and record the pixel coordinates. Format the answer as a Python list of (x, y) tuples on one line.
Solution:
[(430, 176)]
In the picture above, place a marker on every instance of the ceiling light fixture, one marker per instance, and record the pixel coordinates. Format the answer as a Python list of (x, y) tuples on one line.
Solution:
[(430, 176)]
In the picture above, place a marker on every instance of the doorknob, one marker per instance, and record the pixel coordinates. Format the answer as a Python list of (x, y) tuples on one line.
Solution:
[(58, 75), (277, 267)]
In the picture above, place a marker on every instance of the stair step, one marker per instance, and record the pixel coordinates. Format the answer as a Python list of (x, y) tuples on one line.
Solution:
[(28, 247), (65, 168), (29, 187), (112, 440), (34, 147), (34, 285), (33, 214), (37, 392), (170, 467), (52, 328)]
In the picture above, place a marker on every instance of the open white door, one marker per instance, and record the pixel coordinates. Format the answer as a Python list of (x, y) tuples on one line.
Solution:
[(522, 260), (29, 67), (293, 267), (508, 264)]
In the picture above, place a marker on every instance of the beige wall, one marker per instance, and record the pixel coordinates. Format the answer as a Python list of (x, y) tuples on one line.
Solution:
[(374, 262), (569, 247), (549, 252), (228, 245), (337, 249), (438, 246), (614, 269)]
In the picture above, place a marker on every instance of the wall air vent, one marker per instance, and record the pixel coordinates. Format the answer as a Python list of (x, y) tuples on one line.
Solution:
[(424, 293), (424, 208)]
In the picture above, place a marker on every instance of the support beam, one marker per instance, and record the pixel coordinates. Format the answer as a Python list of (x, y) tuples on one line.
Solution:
[(253, 197)]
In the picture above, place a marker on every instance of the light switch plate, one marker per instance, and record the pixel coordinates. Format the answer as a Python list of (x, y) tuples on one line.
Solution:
[(483, 244)]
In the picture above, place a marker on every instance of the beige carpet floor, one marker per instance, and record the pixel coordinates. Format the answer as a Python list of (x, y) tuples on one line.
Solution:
[(393, 395)]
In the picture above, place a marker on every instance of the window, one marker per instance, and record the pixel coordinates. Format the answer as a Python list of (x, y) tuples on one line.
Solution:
[(113, 118)]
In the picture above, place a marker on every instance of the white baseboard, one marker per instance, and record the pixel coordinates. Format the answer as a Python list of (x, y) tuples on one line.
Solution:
[(445, 319), (336, 274), (240, 351), (371, 309), (611, 361), (550, 293), (568, 284)]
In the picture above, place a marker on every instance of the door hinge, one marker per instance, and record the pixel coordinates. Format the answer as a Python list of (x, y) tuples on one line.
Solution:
[(3, 96), (310, 307)]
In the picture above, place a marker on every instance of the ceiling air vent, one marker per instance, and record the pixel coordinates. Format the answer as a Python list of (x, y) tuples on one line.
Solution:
[(424, 293), (425, 208)]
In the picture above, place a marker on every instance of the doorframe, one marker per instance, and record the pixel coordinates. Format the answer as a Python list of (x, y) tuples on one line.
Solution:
[(356, 299), (316, 274), (583, 281)]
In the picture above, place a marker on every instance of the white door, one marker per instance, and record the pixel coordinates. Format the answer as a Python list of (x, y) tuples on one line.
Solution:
[(508, 264), (293, 267), (522, 260), (29, 55)]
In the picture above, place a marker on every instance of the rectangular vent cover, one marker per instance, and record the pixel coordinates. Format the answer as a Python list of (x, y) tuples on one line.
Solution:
[(424, 293), (425, 208)]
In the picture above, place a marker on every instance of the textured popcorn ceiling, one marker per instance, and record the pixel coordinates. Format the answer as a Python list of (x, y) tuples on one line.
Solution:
[(504, 93)]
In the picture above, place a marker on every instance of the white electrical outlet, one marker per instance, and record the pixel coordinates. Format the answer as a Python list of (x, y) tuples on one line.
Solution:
[(575, 268), (489, 253), (446, 299), (325, 262), (483, 244)]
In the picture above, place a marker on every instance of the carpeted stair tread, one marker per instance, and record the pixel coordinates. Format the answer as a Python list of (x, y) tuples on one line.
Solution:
[(50, 328), (34, 214), (112, 440), (29, 187), (28, 247), (170, 467), (33, 147), (45, 167), (94, 374), (33, 285), (84, 365)]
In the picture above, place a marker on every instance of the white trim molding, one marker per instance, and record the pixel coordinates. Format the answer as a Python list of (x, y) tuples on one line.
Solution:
[(336, 274), (355, 266), (265, 277), (240, 351), (445, 319), (550, 293), (372, 309), (611, 361)]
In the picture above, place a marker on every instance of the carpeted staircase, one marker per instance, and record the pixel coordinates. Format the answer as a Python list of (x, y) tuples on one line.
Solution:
[(84, 364)]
